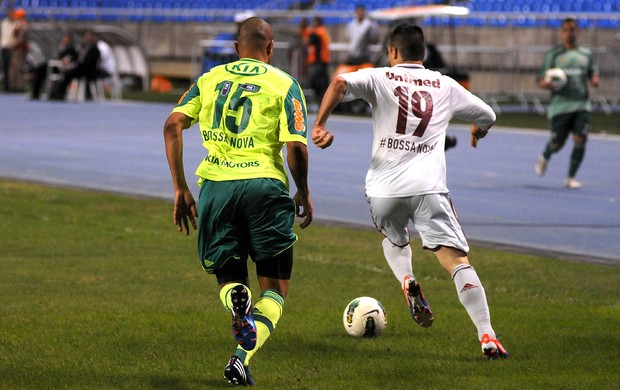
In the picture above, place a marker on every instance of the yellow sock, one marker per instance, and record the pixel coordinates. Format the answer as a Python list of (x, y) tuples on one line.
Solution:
[(267, 312), (225, 295)]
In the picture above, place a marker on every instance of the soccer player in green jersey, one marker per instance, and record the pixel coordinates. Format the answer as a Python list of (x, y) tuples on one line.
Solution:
[(247, 111), (570, 106)]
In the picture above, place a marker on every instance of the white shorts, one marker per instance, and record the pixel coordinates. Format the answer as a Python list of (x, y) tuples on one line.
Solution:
[(433, 216)]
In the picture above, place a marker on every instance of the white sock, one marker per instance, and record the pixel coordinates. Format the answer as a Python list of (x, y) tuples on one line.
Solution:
[(472, 297), (399, 259)]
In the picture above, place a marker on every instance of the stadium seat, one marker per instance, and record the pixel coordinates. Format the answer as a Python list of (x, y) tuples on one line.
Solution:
[(181, 10)]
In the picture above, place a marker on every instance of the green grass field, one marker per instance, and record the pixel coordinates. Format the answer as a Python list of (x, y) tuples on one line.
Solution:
[(100, 291)]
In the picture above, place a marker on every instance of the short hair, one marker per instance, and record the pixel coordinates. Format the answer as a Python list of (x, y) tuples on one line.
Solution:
[(570, 19), (254, 32), (408, 38)]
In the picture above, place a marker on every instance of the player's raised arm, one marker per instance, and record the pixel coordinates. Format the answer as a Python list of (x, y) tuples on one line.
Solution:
[(334, 94)]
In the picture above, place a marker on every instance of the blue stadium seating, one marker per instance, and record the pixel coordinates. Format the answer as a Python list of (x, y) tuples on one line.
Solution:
[(519, 13)]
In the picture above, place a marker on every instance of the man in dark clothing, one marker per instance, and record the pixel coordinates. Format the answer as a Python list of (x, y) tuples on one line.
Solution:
[(87, 62)]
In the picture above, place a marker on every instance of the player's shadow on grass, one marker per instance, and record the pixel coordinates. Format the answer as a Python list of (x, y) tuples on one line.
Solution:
[(175, 383)]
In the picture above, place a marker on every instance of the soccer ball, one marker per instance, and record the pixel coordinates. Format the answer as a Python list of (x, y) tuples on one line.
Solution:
[(364, 317), (557, 78)]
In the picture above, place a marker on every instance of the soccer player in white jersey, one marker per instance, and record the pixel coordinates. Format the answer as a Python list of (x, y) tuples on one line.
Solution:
[(406, 180)]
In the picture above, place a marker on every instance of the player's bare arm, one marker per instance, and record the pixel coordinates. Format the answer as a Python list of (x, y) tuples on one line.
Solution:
[(595, 80), (334, 94), (184, 205), (297, 158)]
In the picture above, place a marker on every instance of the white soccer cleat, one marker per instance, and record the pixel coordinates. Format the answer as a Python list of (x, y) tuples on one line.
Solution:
[(572, 184), (541, 165)]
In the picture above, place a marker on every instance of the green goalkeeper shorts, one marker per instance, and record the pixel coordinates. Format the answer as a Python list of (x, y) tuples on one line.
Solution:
[(241, 218)]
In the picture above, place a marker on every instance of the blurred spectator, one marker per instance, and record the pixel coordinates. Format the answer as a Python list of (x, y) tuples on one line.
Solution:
[(66, 54), (433, 59), (361, 32), (19, 49), (300, 42), (6, 43), (86, 66), (66, 49), (107, 68), (304, 29), (107, 64), (316, 39), (36, 69)]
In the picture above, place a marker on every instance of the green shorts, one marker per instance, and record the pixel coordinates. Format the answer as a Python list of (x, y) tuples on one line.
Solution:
[(242, 218), (577, 123)]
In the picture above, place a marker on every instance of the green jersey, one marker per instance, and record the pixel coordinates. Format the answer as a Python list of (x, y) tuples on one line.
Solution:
[(578, 64), (247, 110)]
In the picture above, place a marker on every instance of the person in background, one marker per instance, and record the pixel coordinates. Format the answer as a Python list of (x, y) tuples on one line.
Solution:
[(6, 43), (361, 32), (107, 68), (107, 63), (570, 106), (19, 50), (65, 54), (316, 38), (36, 69), (87, 64), (244, 208)]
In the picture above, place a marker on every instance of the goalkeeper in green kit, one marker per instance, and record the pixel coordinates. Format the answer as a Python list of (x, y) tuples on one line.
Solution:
[(570, 106)]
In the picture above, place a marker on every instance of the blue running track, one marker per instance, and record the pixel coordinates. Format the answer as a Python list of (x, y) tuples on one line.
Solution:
[(500, 201)]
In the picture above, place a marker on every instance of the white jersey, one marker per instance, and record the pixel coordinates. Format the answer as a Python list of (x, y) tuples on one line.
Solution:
[(411, 109)]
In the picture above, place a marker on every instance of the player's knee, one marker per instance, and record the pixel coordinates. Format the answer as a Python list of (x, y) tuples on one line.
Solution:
[(580, 141), (557, 146)]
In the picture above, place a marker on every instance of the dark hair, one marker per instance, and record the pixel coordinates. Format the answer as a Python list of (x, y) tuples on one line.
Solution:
[(408, 39), (254, 32), (570, 19)]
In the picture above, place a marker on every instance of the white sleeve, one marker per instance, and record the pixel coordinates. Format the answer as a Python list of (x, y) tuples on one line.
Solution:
[(359, 85), (469, 107)]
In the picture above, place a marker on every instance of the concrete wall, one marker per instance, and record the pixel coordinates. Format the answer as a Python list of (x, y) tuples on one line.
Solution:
[(497, 59)]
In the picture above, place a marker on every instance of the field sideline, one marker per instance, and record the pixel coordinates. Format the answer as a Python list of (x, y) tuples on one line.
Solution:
[(100, 291)]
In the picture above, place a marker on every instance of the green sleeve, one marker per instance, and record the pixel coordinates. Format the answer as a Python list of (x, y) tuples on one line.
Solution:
[(189, 104), (294, 123)]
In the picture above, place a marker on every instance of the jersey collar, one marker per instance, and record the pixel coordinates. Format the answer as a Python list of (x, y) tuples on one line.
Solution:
[(251, 60), (410, 66)]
